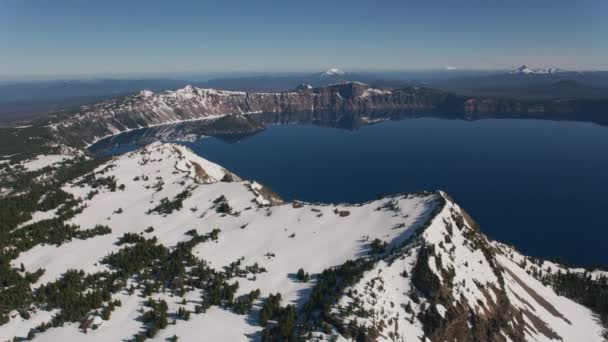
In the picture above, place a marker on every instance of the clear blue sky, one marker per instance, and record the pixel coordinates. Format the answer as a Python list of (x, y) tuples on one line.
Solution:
[(44, 38)]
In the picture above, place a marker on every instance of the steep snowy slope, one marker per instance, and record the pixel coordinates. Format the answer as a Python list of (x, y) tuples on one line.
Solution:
[(410, 267), (452, 283)]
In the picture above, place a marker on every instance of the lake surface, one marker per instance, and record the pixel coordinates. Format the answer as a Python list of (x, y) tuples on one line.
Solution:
[(539, 185)]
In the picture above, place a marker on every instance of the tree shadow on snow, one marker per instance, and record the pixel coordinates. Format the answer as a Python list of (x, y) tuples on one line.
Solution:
[(302, 296)]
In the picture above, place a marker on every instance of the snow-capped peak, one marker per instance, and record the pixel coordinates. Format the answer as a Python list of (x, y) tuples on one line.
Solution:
[(553, 70), (333, 72), (146, 93), (524, 70), (187, 89), (304, 86)]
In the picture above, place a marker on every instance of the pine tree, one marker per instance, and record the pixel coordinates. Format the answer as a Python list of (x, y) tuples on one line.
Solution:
[(105, 314), (302, 276), (152, 331)]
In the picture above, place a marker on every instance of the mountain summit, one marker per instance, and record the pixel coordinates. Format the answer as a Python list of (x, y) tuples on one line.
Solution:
[(162, 235), (525, 70), (334, 72)]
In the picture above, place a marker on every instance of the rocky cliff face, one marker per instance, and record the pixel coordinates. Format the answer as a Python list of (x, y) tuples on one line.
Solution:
[(347, 101), (148, 109)]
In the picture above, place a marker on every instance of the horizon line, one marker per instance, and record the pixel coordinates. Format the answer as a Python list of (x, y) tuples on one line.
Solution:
[(176, 75)]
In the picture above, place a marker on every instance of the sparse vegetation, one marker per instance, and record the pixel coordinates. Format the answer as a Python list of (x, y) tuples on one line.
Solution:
[(302, 276), (582, 288), (221, 205), (378, 246), (168, 206)]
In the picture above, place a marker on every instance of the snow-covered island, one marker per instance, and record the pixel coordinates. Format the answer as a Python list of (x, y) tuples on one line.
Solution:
[(162, 244)]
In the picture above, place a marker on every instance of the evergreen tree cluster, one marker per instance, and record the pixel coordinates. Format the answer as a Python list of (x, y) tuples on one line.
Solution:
[(279, 322), (97, 182), (106, 312), (243, 304), (32, 191), (168, 206), (584, 289), (302, 276), (154, 267), (378, 246), (128, 238), (234, 269), (156, 318), (76, 294), (330, 286), (221, 205)]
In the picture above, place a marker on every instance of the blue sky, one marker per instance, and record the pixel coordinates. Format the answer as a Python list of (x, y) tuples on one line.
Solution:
[(60, 38)]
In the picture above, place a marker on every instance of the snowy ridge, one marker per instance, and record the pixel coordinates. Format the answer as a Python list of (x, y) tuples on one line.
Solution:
[(148, 109), (524, 70), (42, 161), (375, 92), (291, 232), (60, 153), (432, 274), (453, 276)]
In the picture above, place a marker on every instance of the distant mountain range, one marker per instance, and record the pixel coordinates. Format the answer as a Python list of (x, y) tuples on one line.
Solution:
[(161, 243), (524, 70), (527, 83), (29, 99), (336, 104)]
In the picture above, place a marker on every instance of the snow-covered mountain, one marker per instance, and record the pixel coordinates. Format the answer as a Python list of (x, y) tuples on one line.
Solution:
[(524, 70), (194, 251), (146, 109), (333, 72), (342, 101)]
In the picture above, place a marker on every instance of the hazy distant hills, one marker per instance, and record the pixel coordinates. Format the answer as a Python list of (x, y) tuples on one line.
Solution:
[(286, 82), (32, 98), (523, 82), (526, 84), (22, 100)]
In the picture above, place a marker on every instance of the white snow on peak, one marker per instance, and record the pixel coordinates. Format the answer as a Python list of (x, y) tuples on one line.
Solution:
[(525, 70), (146, 93), (306, 86), (375, 92), (187, 89), (522, 70), (333, 72), (449, 68)]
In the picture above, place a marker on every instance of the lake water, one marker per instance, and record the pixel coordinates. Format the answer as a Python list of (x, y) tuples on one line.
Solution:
[(539, 185)]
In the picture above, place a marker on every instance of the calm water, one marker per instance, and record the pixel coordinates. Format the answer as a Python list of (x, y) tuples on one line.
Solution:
[(540, 185)]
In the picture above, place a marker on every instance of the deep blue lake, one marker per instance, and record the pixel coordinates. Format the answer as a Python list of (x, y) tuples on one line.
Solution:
[(539, 185)]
